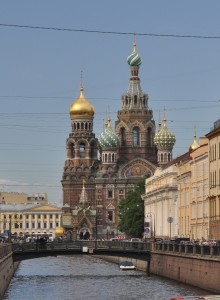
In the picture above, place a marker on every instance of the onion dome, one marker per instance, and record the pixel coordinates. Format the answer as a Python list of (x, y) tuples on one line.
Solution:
[(81, 107), (134, 60), (109, 137), (59, 231), (194, 145), (164, 139)]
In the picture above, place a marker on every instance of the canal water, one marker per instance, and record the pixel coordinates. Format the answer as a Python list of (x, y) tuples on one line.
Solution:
[(80, 277)]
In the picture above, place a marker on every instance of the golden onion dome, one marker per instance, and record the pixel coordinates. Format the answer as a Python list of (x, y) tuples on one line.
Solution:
[(194, 145), (81, 107), (59, 231)]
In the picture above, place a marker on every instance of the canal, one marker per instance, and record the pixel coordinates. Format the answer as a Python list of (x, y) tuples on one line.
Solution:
[(80, 277)]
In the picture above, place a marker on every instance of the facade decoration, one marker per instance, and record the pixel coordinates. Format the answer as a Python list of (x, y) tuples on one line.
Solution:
[(127, 153)]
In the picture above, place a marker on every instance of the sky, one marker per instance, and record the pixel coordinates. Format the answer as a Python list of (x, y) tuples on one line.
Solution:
[(40, 75)]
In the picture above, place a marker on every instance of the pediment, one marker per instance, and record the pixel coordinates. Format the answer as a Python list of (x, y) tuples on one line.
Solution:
[(44, 208)]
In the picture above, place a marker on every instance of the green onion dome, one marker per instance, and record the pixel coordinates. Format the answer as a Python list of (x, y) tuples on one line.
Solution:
[(109, 137), (164, 139), (134, 60)]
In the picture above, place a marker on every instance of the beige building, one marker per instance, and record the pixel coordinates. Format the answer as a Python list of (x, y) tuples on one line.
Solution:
[(22, 198), (29, 219), (160, 203), (176, 197), (214, 181)]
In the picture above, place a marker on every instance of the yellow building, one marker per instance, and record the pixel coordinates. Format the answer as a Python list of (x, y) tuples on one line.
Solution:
[(184, 193), (29, 219), (199, 208), (193, 192), (214, 181), (21, 198)]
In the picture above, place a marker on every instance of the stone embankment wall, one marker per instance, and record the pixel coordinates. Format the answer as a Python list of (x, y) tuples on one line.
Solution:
[(6, 267), (198, 271)]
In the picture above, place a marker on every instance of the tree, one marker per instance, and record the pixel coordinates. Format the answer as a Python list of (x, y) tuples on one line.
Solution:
[(131, 211)]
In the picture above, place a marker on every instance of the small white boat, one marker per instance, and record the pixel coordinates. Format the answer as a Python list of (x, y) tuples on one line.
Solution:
[(127, 265)]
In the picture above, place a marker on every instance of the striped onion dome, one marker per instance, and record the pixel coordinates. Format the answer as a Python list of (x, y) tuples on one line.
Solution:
[(109, 137), (164, 139), (134, 60)]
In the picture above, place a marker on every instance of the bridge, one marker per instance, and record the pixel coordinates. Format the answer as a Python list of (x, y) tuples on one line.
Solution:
[(139, 250)]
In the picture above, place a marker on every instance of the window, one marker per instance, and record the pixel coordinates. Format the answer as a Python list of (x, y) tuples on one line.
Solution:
[(38, 225), (136, 140), (123, 136), (82, 150), (72, 150), (51, 216), (33, 225), (45, 225), (27, 225), (110, 193), (149, 134), (92, 150), (110, 216), (51, 225)]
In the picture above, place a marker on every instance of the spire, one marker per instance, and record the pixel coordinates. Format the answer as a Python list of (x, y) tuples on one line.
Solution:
[(81, 85), (159, 122), (164, 118), (83, 196), (134, 44)]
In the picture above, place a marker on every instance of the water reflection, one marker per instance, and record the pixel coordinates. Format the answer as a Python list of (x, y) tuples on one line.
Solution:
[(87, 277)]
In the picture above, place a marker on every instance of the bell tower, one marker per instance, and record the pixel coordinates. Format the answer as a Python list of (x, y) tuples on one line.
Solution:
[(81, 148), (135, 126)]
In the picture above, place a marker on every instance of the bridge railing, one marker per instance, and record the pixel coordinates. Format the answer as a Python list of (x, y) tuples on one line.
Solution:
[(188, 249), (80, 244)]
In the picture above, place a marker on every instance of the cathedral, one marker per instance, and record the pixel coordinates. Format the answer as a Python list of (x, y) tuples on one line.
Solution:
[(99, 172)]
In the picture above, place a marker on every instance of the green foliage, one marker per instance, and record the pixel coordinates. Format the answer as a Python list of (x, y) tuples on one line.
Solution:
[(131, 212)]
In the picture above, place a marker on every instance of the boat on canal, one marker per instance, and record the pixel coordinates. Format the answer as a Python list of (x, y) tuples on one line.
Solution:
[(126, 265)]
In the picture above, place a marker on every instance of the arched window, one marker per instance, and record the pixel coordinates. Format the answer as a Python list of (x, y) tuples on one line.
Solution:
[(92, 150), (123, 136), (82, 150), (72, 150), (165, 157), (149, 134), (135, 100), (161, 157), (169, 157), (136, 138)]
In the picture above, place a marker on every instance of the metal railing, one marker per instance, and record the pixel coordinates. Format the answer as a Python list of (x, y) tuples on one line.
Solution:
[(78, 246), (188, 249)]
